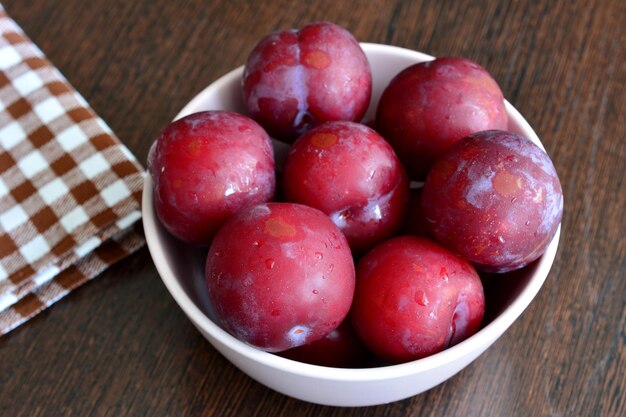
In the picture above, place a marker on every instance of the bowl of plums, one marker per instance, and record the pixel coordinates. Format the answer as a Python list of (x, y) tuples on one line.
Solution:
[(349, 223)]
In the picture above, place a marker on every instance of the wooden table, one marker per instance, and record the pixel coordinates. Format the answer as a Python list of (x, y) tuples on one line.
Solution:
[(120, 346)]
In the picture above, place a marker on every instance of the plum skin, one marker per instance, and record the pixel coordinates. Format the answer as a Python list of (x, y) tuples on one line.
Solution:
[(280, 275), (294, 80), (352, 174), (341, 348), (495, 199), (429, 106), (206, 167), (414, 298)]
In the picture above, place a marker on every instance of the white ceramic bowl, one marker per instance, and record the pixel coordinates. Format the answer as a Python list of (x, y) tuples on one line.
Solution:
[(182, 269)]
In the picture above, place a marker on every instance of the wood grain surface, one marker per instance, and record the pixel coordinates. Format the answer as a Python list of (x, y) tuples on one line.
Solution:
[(120, 346)]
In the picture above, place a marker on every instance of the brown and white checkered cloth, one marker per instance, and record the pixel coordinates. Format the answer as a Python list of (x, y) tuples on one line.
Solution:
[(70, 192)]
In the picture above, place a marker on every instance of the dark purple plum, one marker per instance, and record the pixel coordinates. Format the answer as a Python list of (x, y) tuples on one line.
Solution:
[(296, 79), (495, 199)]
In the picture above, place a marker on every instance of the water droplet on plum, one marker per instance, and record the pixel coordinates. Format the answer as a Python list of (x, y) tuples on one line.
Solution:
[(421, 298)]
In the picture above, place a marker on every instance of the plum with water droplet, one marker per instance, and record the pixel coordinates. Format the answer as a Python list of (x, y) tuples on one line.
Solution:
[(296, 79), (429, 106), (352, 174), (414, 298), (206, 167), (495, 199), (280, 275)]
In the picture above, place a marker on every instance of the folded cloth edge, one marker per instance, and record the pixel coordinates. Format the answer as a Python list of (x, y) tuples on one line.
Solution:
[(123, 244)]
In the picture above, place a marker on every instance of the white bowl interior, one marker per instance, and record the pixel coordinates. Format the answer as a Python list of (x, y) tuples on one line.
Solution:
[(181, 268)]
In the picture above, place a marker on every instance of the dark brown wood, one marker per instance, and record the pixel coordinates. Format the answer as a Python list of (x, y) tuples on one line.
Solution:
[(120, 346)]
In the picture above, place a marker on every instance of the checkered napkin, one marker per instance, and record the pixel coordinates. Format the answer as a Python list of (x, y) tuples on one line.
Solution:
[(69, 191)]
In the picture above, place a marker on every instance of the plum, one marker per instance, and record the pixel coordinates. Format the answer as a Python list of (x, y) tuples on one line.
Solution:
[(341, 348), (294, 80), (280, 275), (206, 167), (414, 298), (350, 172), (431, 105), (495, 199)]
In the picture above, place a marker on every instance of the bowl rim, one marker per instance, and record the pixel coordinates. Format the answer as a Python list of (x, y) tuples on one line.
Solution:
[(490, 332)]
